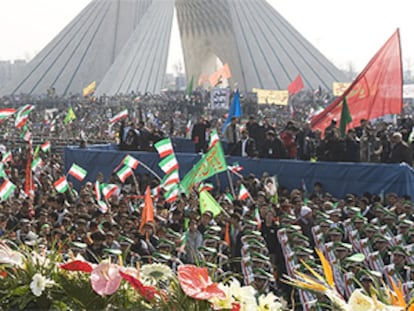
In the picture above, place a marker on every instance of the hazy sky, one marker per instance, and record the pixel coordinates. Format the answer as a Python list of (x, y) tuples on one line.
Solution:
[(346, 32)]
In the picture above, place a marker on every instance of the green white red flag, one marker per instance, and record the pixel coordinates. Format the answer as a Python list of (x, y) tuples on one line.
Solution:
[(7, 157), (22, 115), (214, 139), (61, 185), (46, 146), (78, 172), (170, 179), (109, 190), (38, 162), (119, 116), (6, 189), (243, 193), (164, 147), (169, 164), (97, 188), (124, 173), (172, 194), (130, 161), (6, 112)]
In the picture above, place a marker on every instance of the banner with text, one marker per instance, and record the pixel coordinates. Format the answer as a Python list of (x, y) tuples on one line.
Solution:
[(220, 98), (272, 97)]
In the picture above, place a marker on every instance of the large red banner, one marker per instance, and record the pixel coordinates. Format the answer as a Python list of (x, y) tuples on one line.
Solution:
[(377, 91)]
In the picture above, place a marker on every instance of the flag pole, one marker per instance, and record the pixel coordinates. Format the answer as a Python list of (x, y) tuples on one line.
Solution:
[(231, 184), (150, 170)]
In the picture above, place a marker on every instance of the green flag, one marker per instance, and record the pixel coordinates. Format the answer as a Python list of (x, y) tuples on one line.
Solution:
[(208, 203), (211, 163), (189, 89), (345, 117), (70, 116)]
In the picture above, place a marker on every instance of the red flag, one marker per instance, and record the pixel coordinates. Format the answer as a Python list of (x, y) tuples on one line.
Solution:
[(377, 90), (296, 85), (148, 210), (28, 185)]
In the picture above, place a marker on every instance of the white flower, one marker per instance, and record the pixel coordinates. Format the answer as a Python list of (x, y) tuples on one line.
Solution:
[(360, 302), (8, 256), (245, 295), (219, 304), (270, 302), (151, 274), (39, 283)]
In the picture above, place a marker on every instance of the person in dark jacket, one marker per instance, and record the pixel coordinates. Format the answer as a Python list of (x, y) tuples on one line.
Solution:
[(198, 135), (351, 147), (246, 146), (400, 151), (273, 147)]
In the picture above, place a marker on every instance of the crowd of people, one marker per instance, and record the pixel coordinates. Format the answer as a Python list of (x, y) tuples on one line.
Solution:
[(257, 240)]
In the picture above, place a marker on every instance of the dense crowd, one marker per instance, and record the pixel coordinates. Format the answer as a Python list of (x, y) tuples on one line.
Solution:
[(257, 240)]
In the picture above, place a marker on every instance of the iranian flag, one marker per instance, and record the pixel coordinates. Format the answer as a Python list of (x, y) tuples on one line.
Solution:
[(130, 161), (38, 162), (155, 192), (2, 171), (7, 157), (46, 146), (102, 207), (169, 164), (6, 189), (170, 179), (124, 173), (78, 172), (22, 115), (26, 135), (243, 193), (6, 112), (97, 188), (205, 186), (214, 139), (258, 219), (61, 185), (164, 147), (119, 116), (235, 168), (109, 190), (172, 195)]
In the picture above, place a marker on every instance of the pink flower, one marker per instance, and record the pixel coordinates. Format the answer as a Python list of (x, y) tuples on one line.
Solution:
[(196, 283), (105, 278)]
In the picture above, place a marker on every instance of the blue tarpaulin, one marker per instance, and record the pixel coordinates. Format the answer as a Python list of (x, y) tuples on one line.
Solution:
[(337, 178)]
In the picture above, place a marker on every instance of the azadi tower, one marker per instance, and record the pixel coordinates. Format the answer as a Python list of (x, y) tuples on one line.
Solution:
[(123, 45)]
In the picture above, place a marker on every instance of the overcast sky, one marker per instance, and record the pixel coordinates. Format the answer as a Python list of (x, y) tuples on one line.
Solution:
[(350, 34)]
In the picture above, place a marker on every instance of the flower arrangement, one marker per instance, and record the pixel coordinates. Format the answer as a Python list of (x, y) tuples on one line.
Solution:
[(40, 279), (380, 297)]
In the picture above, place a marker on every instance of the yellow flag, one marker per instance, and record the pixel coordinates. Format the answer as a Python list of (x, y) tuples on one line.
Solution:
[(89, 89), (339, 88)]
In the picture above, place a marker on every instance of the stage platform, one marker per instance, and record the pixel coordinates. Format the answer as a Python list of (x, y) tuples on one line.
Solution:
[(337, 178)]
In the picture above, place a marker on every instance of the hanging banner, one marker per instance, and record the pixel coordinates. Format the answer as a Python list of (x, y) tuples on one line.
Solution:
[(220, 98), (271, 97)]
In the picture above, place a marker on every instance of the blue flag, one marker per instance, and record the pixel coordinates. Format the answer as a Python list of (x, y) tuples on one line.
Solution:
[(235, 109)]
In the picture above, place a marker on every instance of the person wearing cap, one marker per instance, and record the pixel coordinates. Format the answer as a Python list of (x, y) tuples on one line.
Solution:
[(205, 221), (398, 260), (400, 150), (381, 244)]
